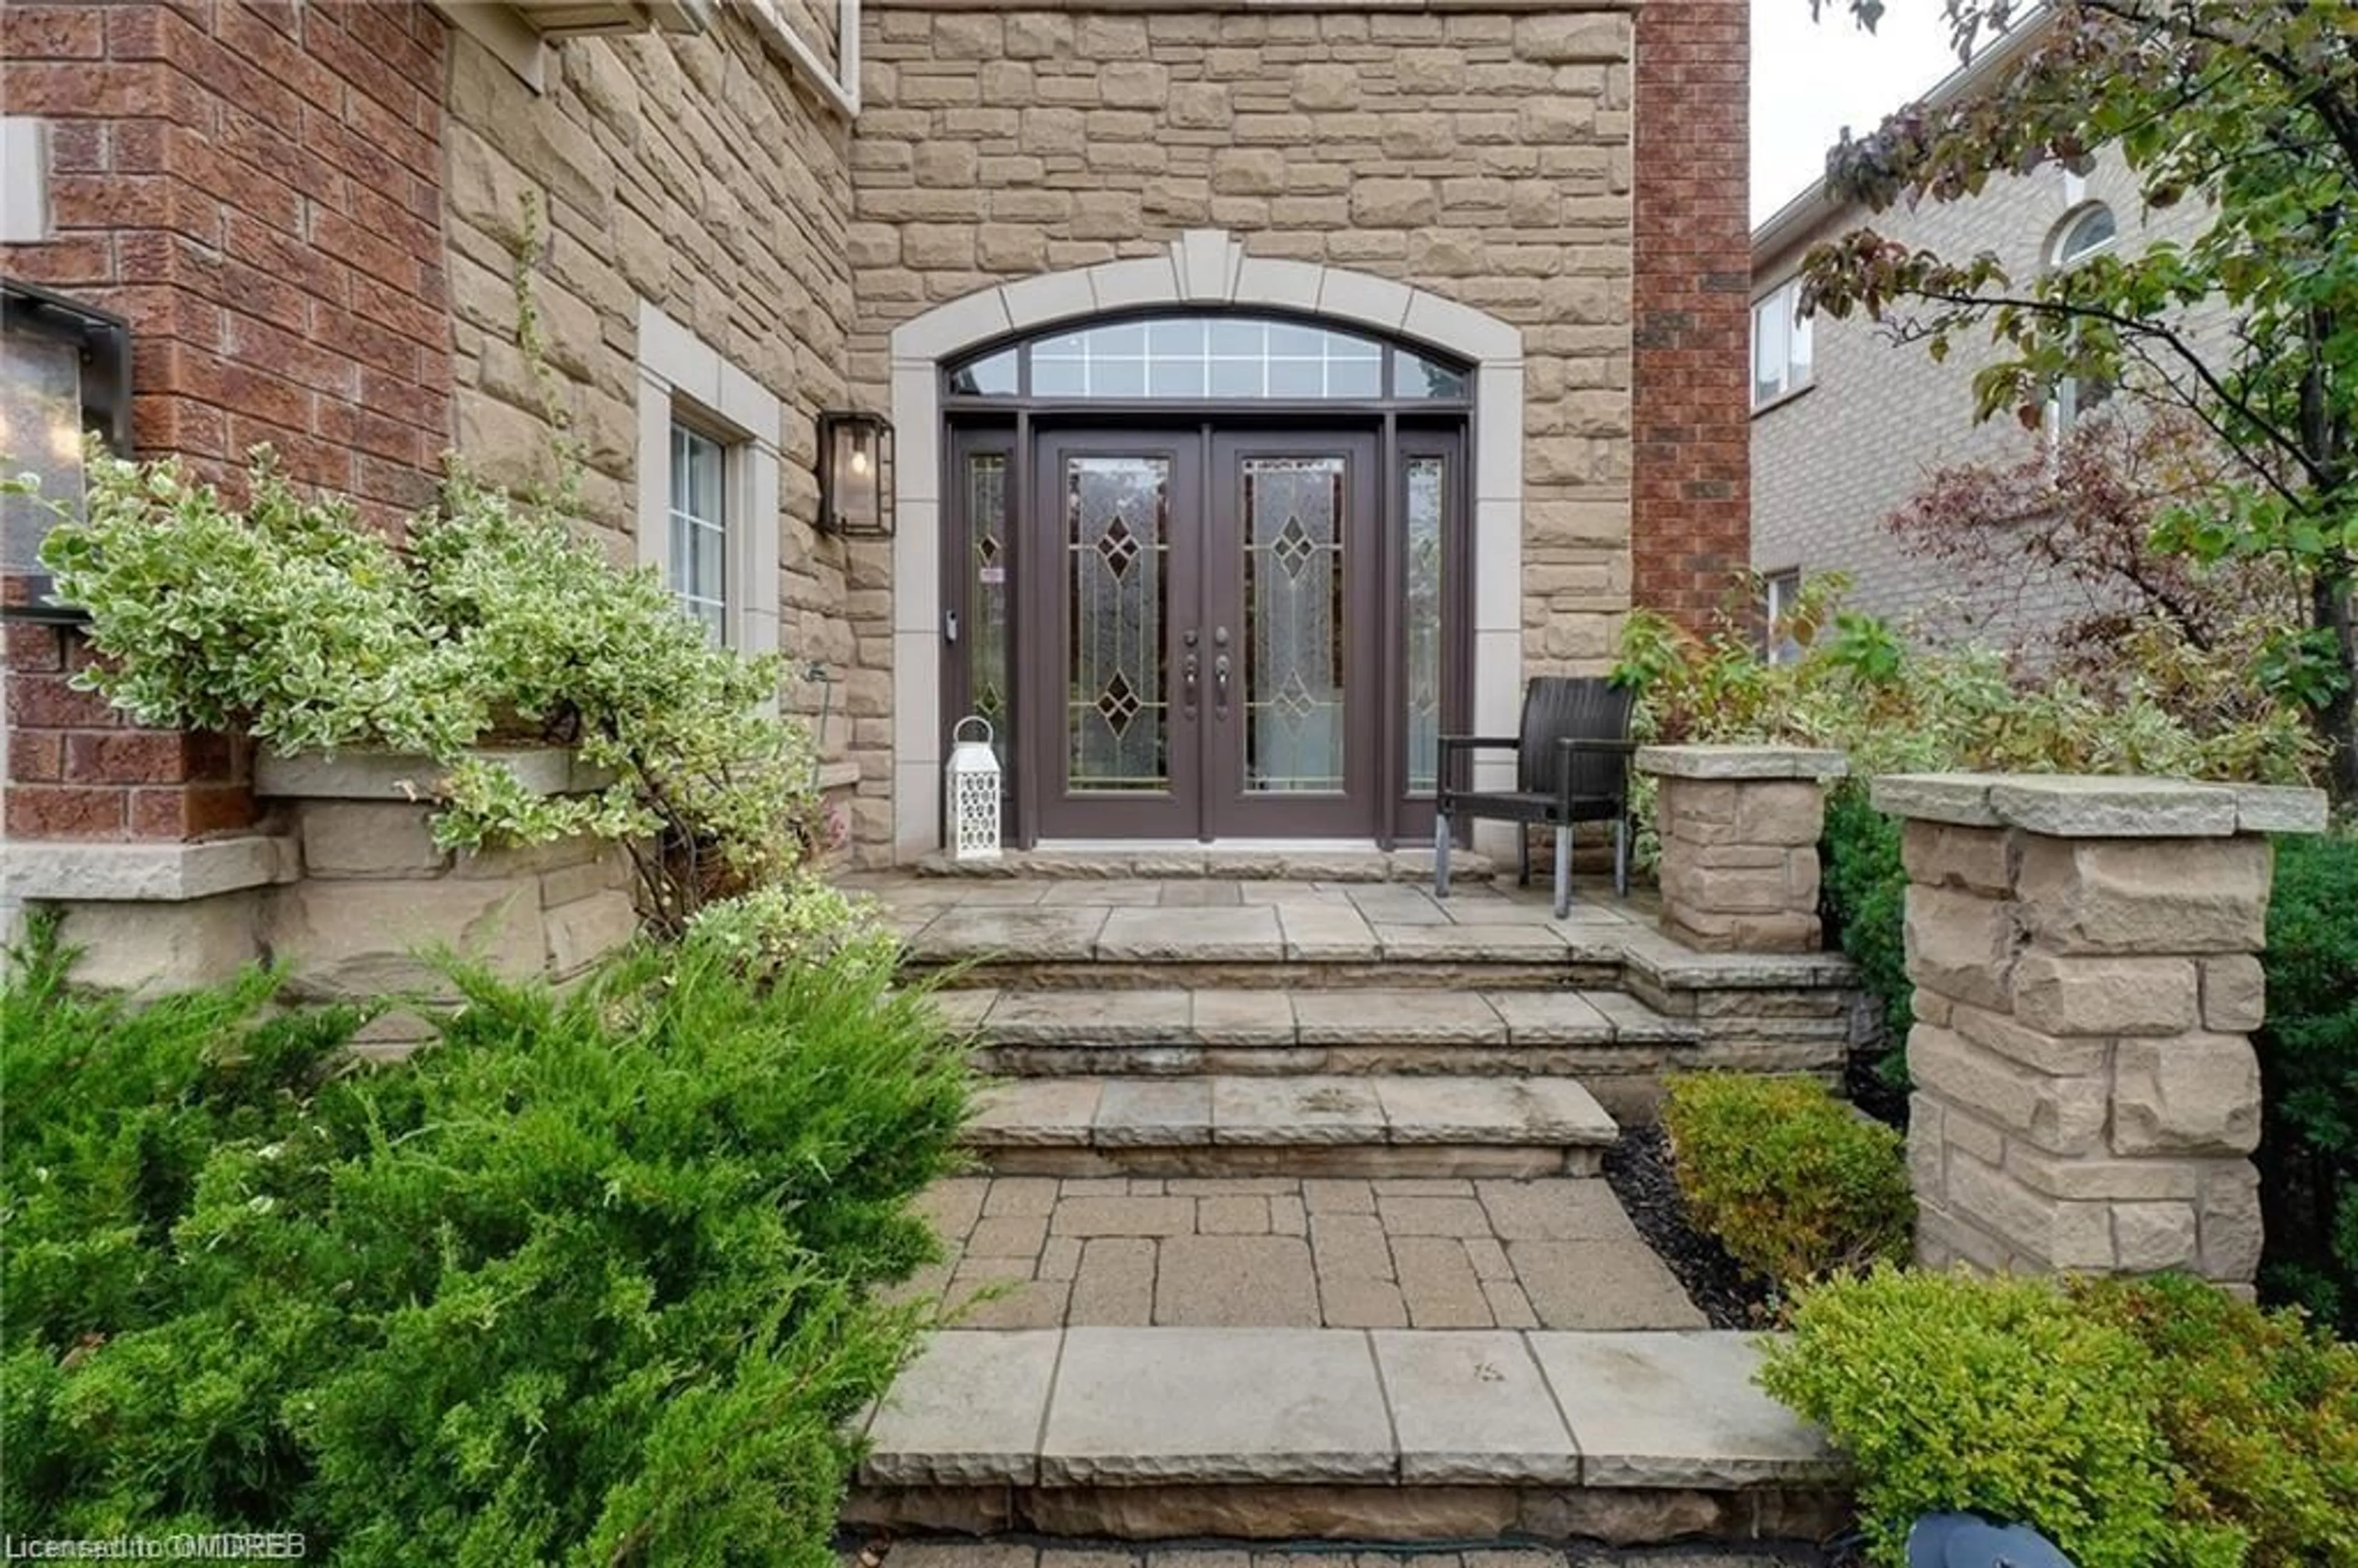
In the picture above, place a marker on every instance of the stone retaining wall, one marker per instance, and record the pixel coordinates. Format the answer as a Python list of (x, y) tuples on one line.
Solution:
[(347, 888), (1739, 829), (2084, 957)]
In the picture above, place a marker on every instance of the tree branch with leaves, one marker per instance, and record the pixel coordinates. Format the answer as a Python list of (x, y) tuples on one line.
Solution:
[(2248, 109)]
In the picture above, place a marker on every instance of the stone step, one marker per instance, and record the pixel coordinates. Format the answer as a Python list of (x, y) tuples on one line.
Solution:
[(1314, 1125), (1174, 1030), (1418, 1434), (1257, 862)]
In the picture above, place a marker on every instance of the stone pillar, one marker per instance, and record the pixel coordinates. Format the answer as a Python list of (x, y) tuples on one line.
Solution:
[(1739, 827), (2084, 952)]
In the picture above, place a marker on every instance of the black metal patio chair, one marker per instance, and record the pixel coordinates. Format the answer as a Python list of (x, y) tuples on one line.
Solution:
[(1572, 765)]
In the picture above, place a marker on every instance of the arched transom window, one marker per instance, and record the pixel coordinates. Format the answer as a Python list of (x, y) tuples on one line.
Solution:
[(1210, 359)]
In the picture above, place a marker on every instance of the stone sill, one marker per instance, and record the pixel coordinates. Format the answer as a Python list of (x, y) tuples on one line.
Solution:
[(144, 873), (1741, 762), (2072, 805), (381, 775)]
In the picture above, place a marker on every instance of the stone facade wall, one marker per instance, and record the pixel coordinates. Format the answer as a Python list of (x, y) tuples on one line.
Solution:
[(1486, 158), (1831, 463), (1693, 496), (257, 189), (2085, 959), (698, 173)]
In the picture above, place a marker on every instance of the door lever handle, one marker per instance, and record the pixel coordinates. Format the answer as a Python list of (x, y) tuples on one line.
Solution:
[(1220, 679), (1187, 673)]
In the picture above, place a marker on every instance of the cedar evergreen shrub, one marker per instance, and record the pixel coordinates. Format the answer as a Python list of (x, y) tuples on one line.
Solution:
[(1866, 904), (2145, 1423), (1793, 1184), (2309, 1072), (589, 1279)]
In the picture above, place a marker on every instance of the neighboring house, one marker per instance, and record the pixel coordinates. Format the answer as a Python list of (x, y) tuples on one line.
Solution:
[(1273, 387), (1847, 424)]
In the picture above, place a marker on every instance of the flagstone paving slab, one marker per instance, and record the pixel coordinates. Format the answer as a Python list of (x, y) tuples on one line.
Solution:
[(974, 932), (1397, 1017), (1296, 1110), (1473, 1406), (1257, 1405), (968, 1409), (1676, 1410), (1188, 935)]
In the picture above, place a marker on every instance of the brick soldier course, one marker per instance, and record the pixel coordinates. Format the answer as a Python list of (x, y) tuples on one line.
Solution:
[(2084, 954)]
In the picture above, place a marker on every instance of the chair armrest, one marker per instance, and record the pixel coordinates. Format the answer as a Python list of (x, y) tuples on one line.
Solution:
[(1567, 746), (1456, 745)]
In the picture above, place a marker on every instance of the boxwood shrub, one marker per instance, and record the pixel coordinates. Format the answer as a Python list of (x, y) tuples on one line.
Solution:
[(588, 1279), (1793, 1184), (2151, 1423)]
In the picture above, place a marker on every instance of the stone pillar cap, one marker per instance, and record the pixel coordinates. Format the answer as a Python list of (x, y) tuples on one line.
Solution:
[(361, 774), (1741, 762), (2075, 805)]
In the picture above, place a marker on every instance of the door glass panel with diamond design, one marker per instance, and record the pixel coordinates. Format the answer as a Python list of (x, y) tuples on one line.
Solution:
[(1293, 624), (1422, 551), (987, 688), (1117, 538)]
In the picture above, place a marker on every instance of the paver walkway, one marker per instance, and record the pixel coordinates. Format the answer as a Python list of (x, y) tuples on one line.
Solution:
[(1287, 1252), (1031, 1555)]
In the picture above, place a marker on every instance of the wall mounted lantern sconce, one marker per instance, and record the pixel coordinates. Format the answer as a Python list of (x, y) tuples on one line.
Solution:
[(65, 372), (855, 459)]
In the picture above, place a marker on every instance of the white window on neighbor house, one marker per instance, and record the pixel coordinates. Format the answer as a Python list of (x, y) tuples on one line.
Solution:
[(708, 484), (1782, 592), (2089, 230), (1780, 344), (2084, 233)]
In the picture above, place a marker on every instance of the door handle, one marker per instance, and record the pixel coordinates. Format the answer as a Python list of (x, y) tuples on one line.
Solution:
[(1187, 674), (1220, 680)]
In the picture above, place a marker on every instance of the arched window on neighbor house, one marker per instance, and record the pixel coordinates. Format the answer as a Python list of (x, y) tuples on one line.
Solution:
[(2088, 230)]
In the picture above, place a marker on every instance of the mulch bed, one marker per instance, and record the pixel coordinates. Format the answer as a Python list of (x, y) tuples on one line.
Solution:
[(1638, 1167)]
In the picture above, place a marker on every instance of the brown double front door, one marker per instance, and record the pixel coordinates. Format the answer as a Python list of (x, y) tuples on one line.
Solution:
[(1208, 656)]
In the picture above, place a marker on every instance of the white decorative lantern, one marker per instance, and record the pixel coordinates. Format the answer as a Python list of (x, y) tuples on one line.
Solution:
[(973, 788)]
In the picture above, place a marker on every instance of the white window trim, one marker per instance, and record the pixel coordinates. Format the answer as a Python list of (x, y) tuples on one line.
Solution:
[(1788, 384), (682, 377), (838, 83)]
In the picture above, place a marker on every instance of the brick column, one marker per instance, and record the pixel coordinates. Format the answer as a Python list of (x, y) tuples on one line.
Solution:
[(1739, 827), (2084, 957)]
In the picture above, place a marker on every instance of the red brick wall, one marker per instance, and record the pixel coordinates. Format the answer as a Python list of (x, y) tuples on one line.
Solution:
[(1691, 511), (256, 185)]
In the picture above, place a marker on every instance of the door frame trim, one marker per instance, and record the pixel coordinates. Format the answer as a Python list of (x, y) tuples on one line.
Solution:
[(1204, 268)]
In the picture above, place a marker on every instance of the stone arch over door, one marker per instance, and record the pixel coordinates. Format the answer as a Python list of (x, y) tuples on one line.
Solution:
[(1202, 267)]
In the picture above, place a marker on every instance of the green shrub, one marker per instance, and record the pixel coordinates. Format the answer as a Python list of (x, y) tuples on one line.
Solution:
[(2136, 1421), (2308, 1070), (2003, 1395), (2260, 1411), (589, 1279), (1794, 1185), (494, 621), (1865, 898)]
